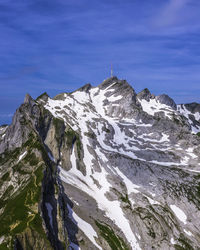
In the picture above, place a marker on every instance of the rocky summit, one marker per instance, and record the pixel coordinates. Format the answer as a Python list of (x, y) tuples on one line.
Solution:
[(101, 168)]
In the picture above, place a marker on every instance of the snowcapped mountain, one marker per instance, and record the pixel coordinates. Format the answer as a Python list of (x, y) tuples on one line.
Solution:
[(101, 168)]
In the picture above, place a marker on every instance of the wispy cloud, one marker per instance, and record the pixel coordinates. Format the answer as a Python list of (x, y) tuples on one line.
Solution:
[(57, 46), (172, 13), (6, 115)]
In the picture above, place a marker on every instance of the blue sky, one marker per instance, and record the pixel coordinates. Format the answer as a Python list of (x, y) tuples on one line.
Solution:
[(58, 46)]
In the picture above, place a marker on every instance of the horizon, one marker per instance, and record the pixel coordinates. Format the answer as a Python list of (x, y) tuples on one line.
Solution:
[(56, 47)]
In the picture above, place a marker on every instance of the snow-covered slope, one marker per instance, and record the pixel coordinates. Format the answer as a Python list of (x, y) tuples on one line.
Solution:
[(192, 113), (118, 130), (124, 167)]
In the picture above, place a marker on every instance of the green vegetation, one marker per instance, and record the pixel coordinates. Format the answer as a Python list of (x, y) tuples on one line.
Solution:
[(21, 211), (21, 208), (31, 158), (115, 242), (189, 189), (4, 246), (198, 134), (7, 192), (73, 137), (58, 126), (6, 177), (16, 215), (19, 168), (10, 156), (184, 245), (144, 213), (34, 143), (151, 233), (126, 200), (78, 144), (192, 191)]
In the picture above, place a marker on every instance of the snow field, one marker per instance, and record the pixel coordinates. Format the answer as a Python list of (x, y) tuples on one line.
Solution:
[(154, 106), (76, 108), (85, 227)]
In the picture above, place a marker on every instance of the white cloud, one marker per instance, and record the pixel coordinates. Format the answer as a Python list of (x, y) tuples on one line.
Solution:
[(172, 13)]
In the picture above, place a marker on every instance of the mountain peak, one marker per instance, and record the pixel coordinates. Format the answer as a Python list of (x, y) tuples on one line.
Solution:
[(85, 88), (165, 99), (144, 94), (83, 153), (107, 82), (29, 100)]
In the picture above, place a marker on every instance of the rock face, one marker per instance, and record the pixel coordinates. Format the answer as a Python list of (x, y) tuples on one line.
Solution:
[(191, 112), (165, 99), (101, 168), (145, 94)]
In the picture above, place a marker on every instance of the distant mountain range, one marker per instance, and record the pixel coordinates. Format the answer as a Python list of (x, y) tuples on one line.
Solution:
[(101, 168)]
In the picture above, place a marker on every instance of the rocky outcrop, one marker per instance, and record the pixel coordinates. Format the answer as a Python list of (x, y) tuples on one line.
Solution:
[(31, 179), (31, 239), (144, 94), (18, 132), (100, 168), (165, 99), (193, 107), (85, 88)]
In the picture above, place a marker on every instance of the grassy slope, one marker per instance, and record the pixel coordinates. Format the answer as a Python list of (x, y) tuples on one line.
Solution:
[(21, 209)]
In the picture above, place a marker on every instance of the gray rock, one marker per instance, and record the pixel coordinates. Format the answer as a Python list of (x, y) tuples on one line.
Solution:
[(144, 94), (193, 107), (85, 88), (165, 99), (138, 163)]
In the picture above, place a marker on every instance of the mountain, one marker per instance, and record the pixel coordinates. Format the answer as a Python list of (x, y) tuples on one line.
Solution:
[(101, 168)]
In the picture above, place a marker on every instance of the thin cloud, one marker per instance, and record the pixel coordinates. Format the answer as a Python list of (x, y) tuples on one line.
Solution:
[(62, 45), (6, 115), (172, 13)]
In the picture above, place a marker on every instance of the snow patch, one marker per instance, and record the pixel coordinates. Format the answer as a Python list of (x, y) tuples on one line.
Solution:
[(153, 106), (151, 201), (129, 184), (76, 203), (179, 213), (114, 98), (81, 96), (185, 112), (172, 241), (1, 239), (188, 232), (85, 227), (138, 236), (21, 156), (75, 178)]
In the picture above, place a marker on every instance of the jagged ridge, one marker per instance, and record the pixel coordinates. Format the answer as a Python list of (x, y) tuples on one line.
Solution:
[(100, 148)]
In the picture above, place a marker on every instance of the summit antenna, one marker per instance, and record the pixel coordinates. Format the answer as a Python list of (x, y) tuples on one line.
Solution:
[(111, 71)]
